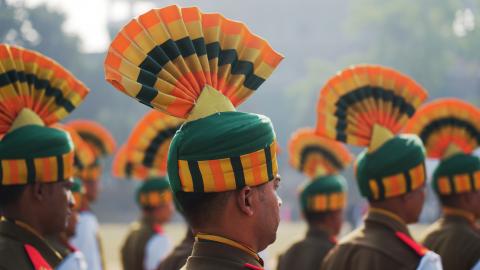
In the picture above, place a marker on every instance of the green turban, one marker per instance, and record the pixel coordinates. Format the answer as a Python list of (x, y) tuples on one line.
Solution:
[(221, 152), (35, 153), (457, 174), (396, 168), (154, 192), (324, 193)]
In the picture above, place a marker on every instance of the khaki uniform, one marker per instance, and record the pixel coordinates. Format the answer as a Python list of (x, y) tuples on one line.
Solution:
[(309, 253), (178, 257), (133, 250), (208, 255), (376, 246), (13, 251), (456, 240)]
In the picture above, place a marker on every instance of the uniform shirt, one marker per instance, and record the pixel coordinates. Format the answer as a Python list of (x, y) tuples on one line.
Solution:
[(73, 259), (376, 246), (87, 241), (456, 240), (308, 253), (208, 255), (145, 246), (14, 242), (178, 257)]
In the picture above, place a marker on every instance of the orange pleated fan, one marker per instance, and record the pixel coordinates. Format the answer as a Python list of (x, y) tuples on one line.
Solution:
[(167, 57), (150, 140), (30, 80), (124, 169), (446, 122), (84, 155), (314, 155), (99, 138), (360, 97)]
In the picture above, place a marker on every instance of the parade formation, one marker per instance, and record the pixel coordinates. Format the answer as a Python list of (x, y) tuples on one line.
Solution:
[(197, 154)]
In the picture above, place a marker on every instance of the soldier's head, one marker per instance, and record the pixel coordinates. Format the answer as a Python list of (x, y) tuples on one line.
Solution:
[(37, 176), (322, 200), (154, 197), (456, 180), (250, 211), (393, 176), (223, 172)]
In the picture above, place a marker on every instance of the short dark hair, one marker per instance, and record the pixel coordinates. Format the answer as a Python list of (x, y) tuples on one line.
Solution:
[(10, 194), (449, 200), (316, 217), (201, 208)]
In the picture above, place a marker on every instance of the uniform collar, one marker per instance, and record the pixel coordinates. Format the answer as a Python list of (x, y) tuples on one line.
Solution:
[(320, 233), (27, 235), (451, 213), (205, 244), (388, 219)]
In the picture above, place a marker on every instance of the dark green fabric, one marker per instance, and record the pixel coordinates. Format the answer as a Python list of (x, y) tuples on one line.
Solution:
[(218, 136), (158, 184), (397, 155), (455, 165), (34, 141), (76, 186), (322, 185)]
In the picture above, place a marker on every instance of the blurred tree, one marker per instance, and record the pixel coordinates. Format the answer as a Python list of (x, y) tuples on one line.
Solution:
[(424, 39)]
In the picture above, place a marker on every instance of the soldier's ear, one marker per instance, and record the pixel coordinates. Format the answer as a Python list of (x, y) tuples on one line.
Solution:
[(38, 191), (245, 200)]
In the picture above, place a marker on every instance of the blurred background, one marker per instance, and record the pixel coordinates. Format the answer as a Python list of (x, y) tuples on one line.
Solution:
[(435, 42)]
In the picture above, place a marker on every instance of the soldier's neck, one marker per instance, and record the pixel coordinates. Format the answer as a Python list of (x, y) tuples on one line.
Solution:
[(29, 220), (244, 238)]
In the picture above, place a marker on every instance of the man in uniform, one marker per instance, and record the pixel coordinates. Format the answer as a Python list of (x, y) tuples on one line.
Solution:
[(322, 199), (222, 164), (450, 130), (390, 173), (36, 165), (146, 244)]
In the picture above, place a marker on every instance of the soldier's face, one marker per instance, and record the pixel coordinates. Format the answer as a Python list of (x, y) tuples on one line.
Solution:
[(162, 213), (414, 204), (72, 224), (59, 208), (475, 203), (91, 190), (269, 215)]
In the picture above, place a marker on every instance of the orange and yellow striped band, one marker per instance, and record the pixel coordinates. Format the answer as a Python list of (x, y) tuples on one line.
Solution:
[(326, 202), (155, 198), (460, 183), (231, 173), (398, 184), (31, 170)]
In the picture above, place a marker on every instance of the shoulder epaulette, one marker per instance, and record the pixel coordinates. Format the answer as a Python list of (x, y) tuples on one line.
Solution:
[(253, 267), (36, 258), (419, 249)]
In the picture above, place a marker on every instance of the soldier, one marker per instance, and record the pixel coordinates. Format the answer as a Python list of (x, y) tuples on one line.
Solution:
[(146, 244), (450, 130), (73, 258), (322, 200), (365, 106), (222, 163), (36, 165), (102, 144)]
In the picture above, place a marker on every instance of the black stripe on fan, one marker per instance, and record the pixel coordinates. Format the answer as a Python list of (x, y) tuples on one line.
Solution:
[(434, 126)]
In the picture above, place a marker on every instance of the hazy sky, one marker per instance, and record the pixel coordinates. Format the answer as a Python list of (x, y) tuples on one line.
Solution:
[(88, 18)]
